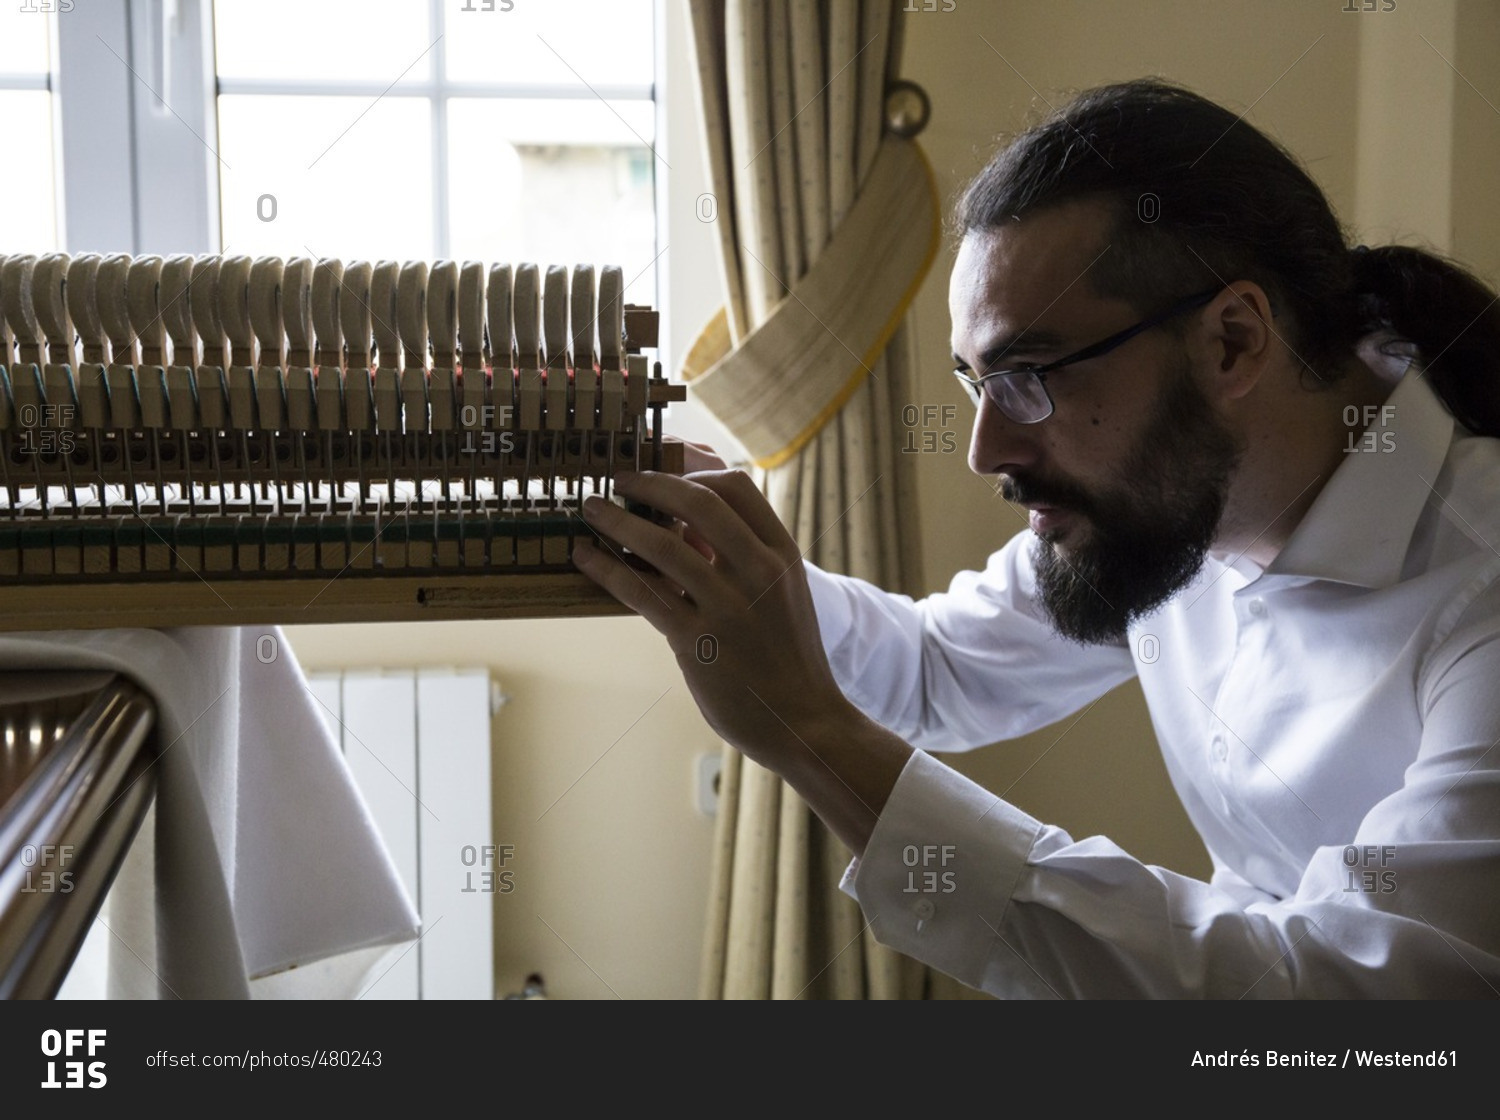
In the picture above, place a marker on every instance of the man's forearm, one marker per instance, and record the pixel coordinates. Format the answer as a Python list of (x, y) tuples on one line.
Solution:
[(845, 773)]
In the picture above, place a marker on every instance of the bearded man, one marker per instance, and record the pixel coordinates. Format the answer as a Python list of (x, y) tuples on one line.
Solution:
[(1185, 407)]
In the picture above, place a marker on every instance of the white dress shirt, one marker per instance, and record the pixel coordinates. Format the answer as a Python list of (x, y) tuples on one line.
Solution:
[(1331, 723)]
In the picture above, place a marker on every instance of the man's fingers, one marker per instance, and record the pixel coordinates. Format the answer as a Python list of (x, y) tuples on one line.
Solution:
[(700, 457), (646, 593), (719, 505), (693, 538), (664, 549)]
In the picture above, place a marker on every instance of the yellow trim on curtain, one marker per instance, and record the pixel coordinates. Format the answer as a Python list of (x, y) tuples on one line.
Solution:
[(713, 346)]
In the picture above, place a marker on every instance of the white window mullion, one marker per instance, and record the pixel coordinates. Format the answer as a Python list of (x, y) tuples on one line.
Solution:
[(136, 118), (95, 93), (59, 199), (440, 231), (177, 161), (373, 87)]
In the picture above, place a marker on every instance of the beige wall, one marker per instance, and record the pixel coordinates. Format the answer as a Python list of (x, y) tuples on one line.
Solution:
[(1475, 170), (1429, 130), (594, 756)]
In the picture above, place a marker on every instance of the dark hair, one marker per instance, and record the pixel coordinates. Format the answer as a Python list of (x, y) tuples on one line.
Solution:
[(1201, 197)]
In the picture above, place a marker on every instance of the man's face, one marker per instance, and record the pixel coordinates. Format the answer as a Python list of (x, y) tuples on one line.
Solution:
[(1126, 482)]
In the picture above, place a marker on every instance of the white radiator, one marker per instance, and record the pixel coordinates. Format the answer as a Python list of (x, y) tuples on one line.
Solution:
[(418, 744)]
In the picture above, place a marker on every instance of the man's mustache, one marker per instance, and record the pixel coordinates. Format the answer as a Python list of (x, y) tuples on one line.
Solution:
[(1026, 491)]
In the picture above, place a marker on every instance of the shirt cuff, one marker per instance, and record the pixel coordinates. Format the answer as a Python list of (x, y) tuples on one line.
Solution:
[(941, 867)]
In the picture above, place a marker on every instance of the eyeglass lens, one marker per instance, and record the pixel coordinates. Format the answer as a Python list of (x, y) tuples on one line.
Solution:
[(1021, 397)]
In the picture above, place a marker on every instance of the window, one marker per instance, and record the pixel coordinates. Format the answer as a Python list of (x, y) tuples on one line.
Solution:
[(482, 130), (455, 129)]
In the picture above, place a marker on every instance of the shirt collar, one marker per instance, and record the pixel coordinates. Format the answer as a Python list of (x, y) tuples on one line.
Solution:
[(1359, 527)]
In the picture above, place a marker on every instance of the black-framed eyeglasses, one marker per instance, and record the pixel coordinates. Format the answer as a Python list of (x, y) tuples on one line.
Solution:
[(1021, 392)]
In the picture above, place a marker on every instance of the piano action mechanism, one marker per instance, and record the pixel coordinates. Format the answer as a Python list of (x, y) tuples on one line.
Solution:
[(233, 441)]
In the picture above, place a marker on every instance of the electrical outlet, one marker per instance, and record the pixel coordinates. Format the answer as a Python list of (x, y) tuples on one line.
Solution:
[(710, 767)]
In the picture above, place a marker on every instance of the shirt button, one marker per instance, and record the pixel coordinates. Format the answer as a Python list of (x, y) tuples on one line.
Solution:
[(1221, 748), (1258, 608), (923, 909)]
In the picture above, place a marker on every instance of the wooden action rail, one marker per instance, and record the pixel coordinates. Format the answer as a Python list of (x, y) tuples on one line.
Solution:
[(233, 441)]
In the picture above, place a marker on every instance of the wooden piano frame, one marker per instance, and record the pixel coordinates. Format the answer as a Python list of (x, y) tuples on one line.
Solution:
[(228, 441)]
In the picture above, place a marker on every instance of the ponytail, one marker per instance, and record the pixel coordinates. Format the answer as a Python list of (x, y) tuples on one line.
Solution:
[(1451, 316)]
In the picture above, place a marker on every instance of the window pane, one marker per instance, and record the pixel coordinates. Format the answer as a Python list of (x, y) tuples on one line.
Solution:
[(363, 40), (23, 32), (28, 214), (554, 182), (605, 42), (326, 176)]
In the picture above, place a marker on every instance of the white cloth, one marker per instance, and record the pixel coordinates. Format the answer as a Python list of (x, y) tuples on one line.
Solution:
[(1330, 723), (265, 855)]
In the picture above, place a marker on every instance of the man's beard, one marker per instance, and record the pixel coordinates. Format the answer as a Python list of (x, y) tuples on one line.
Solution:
[(1147, 537)]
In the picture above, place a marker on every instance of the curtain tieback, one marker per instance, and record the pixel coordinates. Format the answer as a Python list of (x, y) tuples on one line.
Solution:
[(793, 372)]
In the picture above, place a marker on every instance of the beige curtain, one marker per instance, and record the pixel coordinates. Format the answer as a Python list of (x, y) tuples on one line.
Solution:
[(828, 223)]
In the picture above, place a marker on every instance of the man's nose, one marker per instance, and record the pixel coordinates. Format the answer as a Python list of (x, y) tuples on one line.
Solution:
[(998, 444)]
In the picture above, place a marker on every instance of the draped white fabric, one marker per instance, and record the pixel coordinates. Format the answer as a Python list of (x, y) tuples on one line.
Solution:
[(260, 862)]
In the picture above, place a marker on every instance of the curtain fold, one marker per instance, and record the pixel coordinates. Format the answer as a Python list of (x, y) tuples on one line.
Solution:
[(792, 94)]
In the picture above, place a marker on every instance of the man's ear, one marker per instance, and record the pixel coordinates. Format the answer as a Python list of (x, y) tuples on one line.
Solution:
[(1241, 338)]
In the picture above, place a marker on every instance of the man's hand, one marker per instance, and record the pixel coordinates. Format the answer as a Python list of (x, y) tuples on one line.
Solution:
[(729, 594), (700, 457), (696, 458), (731, 597)]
